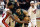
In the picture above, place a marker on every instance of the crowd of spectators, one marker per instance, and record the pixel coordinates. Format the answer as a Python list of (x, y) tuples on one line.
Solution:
[(23, 4)]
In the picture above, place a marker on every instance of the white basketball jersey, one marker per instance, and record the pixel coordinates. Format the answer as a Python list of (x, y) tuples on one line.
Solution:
[(4, 12), (30, 11)]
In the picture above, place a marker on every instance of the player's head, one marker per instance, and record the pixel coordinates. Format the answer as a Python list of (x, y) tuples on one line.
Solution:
[(10, 5), (32, 3), (18, 10)]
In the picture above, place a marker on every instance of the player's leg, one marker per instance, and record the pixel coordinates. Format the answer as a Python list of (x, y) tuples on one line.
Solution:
[(35, 24), (9, 21)]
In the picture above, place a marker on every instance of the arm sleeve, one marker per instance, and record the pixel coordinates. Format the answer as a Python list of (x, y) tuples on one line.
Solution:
[(6, 9)]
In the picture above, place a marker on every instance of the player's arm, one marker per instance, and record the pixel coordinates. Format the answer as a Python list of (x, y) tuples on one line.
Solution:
[(25, 12), (9, 12), (27, 15), (37, 3), (17, 19), (14, 17)]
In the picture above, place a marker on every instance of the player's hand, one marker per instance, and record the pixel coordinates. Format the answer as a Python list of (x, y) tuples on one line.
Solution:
[(9, 12)]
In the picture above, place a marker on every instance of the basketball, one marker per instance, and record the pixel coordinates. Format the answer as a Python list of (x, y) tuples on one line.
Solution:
[(26, 19)]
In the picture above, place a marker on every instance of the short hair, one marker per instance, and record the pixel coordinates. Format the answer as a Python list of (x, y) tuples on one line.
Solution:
[(10, 4)]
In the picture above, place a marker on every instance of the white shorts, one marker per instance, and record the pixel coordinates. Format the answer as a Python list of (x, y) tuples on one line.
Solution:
[(32, 23), (29, 25)]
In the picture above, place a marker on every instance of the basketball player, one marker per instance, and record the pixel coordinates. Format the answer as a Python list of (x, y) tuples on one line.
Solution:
[(22, 15), (5, 14), (32, 13)]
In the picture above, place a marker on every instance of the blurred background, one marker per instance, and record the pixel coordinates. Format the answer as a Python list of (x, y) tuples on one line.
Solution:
[(23, 4)]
